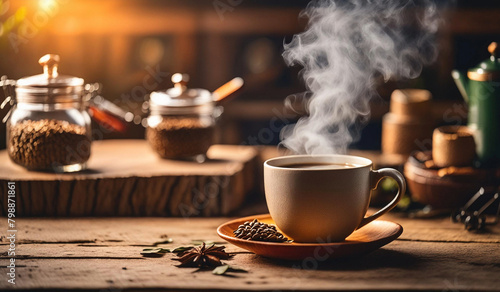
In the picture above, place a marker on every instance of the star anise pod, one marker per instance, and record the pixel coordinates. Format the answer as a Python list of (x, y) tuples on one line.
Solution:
[(203, 256)]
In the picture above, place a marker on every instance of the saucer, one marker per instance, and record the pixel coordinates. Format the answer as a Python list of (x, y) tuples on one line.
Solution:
[(366, 239)]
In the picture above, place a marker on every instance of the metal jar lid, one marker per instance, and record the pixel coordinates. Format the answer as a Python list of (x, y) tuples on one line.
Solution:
[(180, 99), (49, 87)]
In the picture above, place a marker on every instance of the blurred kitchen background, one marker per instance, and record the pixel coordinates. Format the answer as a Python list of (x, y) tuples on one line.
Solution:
[(133, 46)]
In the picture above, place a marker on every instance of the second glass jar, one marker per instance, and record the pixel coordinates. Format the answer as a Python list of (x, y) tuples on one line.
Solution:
[(181, 123)]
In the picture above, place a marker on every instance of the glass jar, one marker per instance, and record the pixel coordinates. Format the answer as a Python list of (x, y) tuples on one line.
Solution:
[(49, 128), (182, 121)]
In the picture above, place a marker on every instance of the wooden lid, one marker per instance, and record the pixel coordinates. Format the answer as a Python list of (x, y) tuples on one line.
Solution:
[(411, 102)]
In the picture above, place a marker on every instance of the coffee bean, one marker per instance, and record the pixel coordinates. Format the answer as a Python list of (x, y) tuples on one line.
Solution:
[(180, 137), (43, 144), (259, 231)]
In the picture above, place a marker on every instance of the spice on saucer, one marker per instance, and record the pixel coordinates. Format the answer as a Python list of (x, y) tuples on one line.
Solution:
[(259, 231)]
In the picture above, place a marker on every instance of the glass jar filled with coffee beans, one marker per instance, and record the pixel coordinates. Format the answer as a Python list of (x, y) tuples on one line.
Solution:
[(48, 127), (181, 122)]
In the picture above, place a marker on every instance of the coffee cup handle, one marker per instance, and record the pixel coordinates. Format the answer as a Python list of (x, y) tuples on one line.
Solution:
[(375, 177)]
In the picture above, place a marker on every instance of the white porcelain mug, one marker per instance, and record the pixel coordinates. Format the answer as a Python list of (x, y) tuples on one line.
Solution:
[(325, 197)]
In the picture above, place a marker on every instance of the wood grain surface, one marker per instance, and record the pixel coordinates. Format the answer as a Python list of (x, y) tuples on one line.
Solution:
[(126, 178), (103, 254)]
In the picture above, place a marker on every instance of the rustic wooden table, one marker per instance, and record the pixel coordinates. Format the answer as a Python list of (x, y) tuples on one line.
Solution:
[(103, 254)]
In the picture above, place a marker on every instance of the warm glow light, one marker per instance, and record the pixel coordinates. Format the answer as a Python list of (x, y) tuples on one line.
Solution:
[(20, 14), (151, 51), (9, 24), (47, 5)]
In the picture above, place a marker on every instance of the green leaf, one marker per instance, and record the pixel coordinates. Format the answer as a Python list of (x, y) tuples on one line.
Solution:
[(209, 242), (154, 251), (151, 250), (166, 241), (221, 270), (237, 269), (181, 249)]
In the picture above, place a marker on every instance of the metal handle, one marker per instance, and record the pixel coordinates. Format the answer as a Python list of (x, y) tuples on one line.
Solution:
[(8, 87), (50, 62), (493, 49), (375, 177), (180, 81), (103, 111)]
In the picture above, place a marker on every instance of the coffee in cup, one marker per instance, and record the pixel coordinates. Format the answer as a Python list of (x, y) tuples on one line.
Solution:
[(323, 198)]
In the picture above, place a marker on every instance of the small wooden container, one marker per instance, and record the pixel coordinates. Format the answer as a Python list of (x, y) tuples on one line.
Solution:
[(405, 134), (453, 146), (408, 126), (411, 102)]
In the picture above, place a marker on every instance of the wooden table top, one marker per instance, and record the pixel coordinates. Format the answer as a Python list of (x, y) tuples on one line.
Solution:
[(103, 254)]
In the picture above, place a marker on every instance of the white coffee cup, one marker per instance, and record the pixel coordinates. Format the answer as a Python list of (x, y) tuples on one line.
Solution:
[(325, 197)]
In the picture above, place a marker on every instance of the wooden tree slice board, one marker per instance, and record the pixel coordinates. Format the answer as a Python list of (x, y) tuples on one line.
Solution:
[(126, 178)]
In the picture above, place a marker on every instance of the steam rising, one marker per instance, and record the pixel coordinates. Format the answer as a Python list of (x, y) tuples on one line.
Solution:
[(346, 48)]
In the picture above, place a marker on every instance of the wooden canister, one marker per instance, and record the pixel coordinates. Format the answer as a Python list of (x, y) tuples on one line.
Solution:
[(453, 146), (405, 134), (409, 124), (411, 102)]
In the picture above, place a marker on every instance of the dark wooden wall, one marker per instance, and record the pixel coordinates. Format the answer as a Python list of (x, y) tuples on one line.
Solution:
[(132, 47)]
